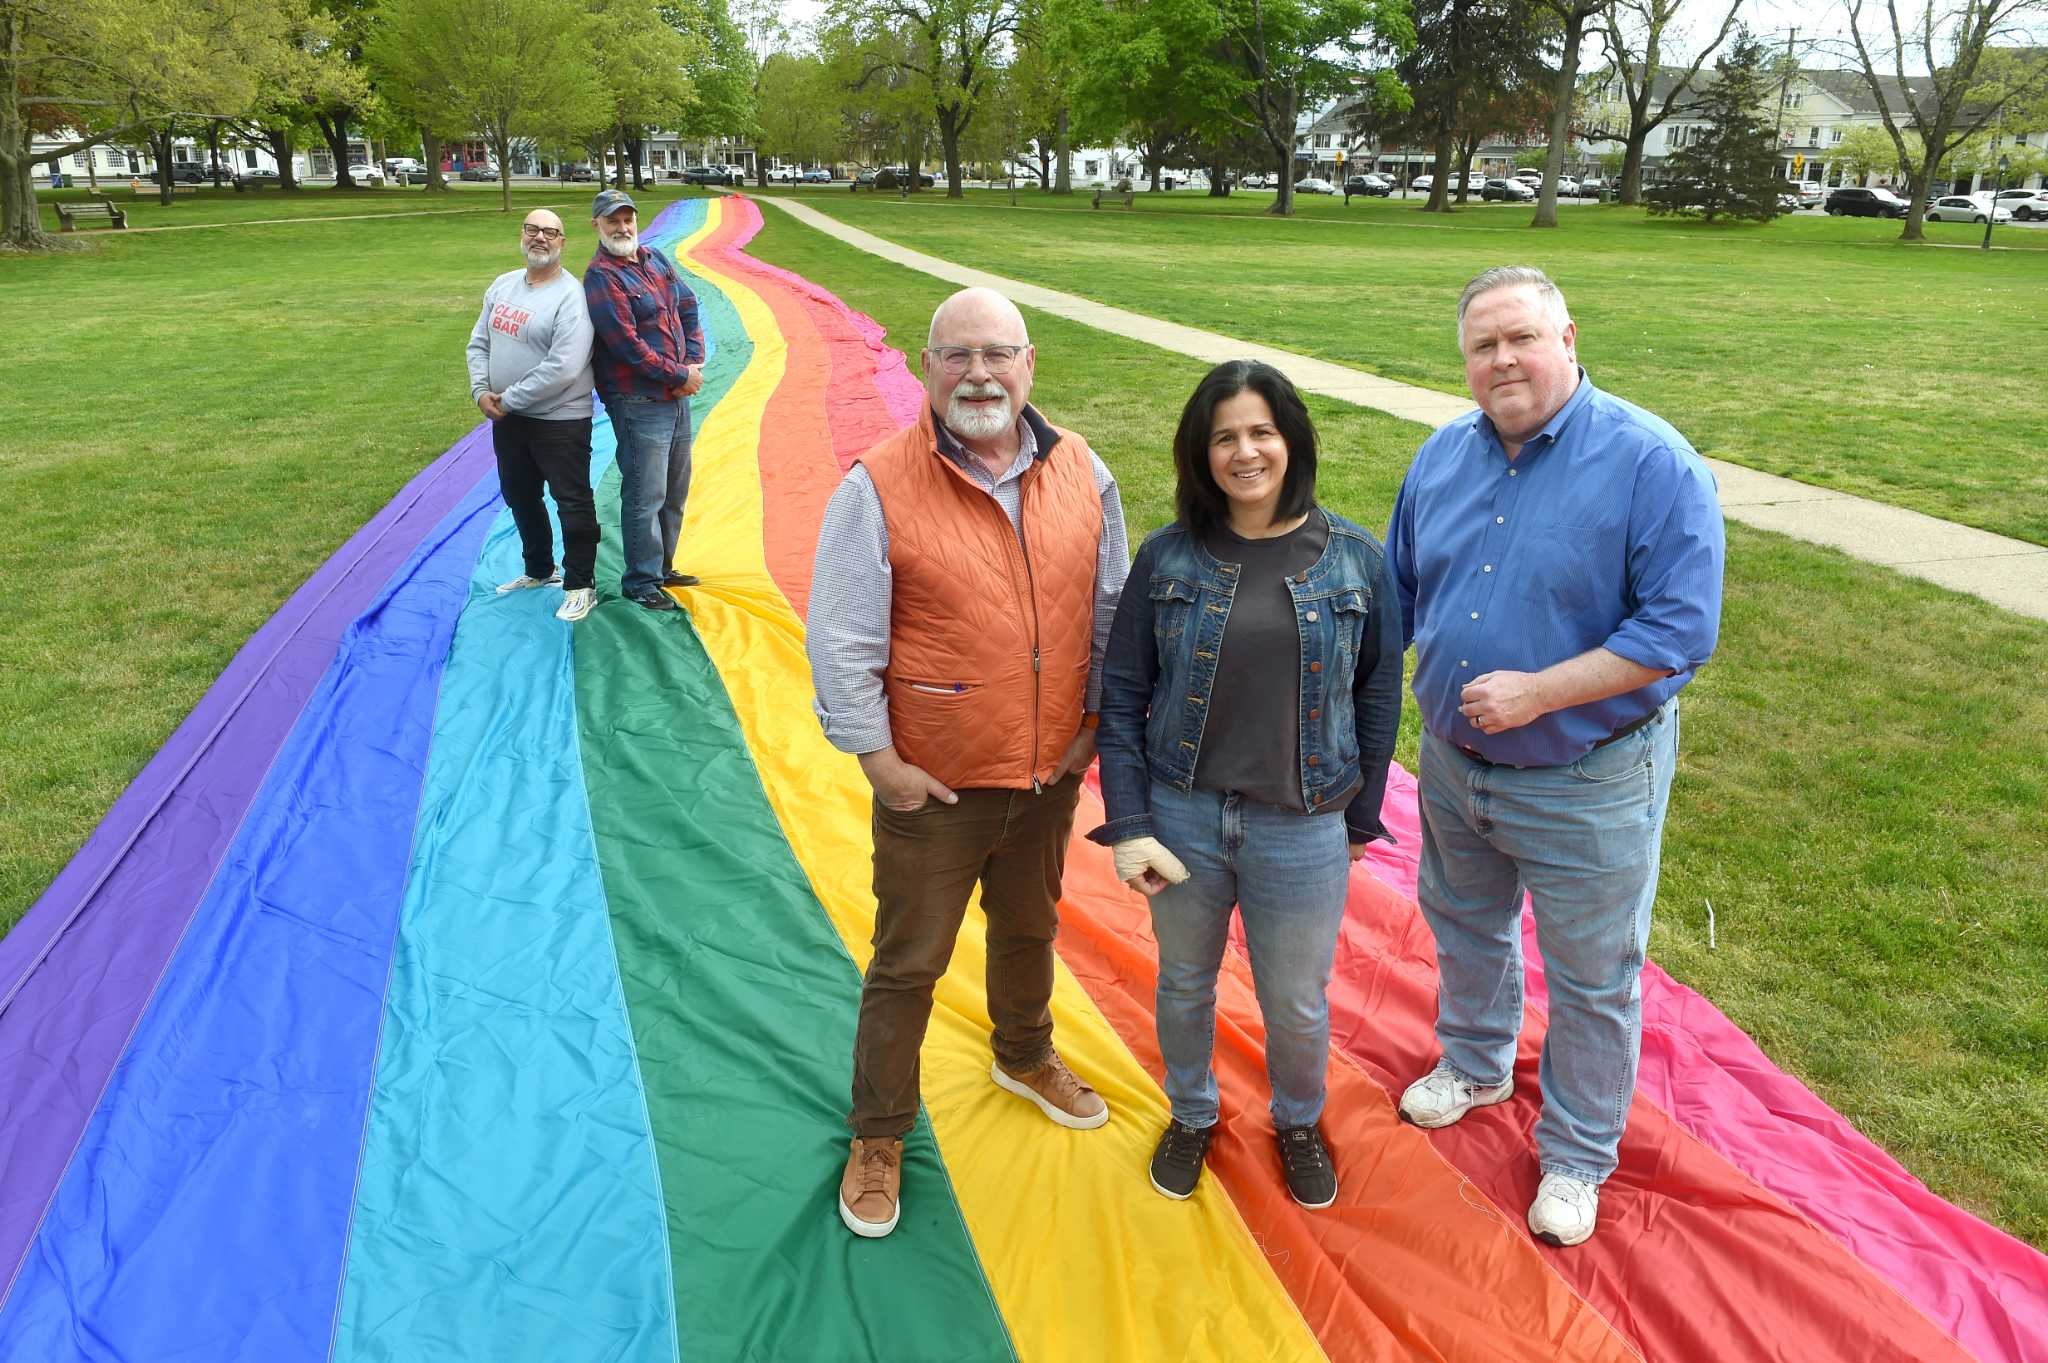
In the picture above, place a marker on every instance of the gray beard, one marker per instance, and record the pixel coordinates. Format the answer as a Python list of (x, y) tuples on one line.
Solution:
[(622, 249), (969, 424), (538, 261)]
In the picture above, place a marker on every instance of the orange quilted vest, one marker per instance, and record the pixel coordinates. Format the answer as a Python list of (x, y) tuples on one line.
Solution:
[(989, 641)]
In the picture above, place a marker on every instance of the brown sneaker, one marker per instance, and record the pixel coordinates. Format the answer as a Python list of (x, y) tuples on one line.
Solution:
[(1059, 1093), (869, 1189)]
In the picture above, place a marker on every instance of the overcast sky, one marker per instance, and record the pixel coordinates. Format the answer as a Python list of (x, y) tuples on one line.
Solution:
[(1822, 25)]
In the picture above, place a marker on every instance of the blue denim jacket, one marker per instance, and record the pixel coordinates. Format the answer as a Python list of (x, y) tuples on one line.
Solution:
[(1161, 667)]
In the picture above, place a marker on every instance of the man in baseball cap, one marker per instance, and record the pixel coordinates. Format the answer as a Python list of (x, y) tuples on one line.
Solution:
[(646, 360)]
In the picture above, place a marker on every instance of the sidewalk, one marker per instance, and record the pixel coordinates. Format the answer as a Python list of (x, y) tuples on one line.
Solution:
[(2005, 572)]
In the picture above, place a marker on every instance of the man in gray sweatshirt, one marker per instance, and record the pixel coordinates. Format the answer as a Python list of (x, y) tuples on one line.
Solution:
[(529, 372)]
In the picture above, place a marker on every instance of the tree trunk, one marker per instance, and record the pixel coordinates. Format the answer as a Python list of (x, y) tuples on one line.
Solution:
[(334, 132), (1632, 167), (950, 128), (212, 147), (280, 140), (21, 220), (618, 158), (1468, 151), (1561, 114), (160, 147), (1219, 176), (1290, 108), (430, 148), (1440, 172), (501, 149), (634, 144), (1063, 155)]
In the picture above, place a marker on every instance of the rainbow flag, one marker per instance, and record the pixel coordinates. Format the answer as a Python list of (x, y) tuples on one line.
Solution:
[(458, 985)]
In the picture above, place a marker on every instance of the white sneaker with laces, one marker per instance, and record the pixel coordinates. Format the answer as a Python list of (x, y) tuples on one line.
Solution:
[(576, 603), (1564, 1210), (522, 582), (1443, 1096)]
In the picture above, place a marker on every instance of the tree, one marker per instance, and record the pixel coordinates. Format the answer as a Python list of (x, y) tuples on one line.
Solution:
[(641, 60), (1637, 32), (1467, 55), (105, 69), (1572, 16), (310, 68), (499, 68), (721, 70), (1291, 53), (1968, 86), (335, 107), (949, 48), (1867, 151), (1731, 169), (799, 110)]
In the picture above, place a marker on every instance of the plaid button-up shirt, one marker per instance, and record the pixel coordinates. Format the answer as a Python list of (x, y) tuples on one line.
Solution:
[(645, 319)]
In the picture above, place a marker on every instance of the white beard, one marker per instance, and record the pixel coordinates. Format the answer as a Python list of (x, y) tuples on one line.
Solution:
[(973, 423), (537, 259), (621, 246)]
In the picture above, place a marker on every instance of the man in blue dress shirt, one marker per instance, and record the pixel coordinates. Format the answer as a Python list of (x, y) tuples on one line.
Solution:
[(1558, 555)]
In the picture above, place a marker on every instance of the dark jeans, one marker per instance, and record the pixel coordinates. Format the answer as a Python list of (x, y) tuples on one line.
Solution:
[(926, 865), (556, 453), (654, 482)]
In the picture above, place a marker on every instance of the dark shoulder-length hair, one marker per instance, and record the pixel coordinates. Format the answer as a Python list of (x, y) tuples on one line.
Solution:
[(1197, 500)]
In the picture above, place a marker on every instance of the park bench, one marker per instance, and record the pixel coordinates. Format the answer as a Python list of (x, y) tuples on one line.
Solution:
[(69, 215)]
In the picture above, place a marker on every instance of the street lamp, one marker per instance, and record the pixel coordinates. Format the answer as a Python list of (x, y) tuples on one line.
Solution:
[(1991, 212)]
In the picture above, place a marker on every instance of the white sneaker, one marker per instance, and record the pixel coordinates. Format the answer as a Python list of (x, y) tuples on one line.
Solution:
[(522, 582), (1564, 1210), (576, 603), (1442, 1096)]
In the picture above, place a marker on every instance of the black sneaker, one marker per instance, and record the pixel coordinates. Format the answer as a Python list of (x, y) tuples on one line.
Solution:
[(1177, 1163), (675, 579), (655, 600), (1310, 1175)]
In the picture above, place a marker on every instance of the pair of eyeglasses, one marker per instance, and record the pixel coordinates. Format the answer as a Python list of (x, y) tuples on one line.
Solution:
[(954, 359), (544, 233)]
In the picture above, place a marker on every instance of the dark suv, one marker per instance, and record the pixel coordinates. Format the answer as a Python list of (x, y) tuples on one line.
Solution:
[(1369, 184), (1866, 203), (712, 175)]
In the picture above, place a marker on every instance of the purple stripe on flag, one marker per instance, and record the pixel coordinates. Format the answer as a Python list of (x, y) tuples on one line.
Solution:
[(78, 970)]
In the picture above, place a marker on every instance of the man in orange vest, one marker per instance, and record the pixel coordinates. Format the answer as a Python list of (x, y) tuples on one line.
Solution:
[(968, 570)]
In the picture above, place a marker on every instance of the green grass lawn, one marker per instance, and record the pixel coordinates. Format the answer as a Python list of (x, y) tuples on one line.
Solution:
[(203, 205), (1864, 781), (1816, 348)]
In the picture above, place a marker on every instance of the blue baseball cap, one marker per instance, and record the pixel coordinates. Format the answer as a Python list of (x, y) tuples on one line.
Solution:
[(609, 202)]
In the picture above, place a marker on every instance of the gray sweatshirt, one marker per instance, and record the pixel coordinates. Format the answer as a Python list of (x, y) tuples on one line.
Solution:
[(532, 347)]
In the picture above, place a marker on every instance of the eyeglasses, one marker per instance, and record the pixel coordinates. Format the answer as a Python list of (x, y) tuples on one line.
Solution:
[(954, 359), (544, 233)]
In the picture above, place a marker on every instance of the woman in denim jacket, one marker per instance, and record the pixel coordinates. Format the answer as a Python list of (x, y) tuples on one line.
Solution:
[(1250, 698)]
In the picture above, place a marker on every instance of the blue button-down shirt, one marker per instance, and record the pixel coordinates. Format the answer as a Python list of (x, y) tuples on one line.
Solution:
[(1603, 532)]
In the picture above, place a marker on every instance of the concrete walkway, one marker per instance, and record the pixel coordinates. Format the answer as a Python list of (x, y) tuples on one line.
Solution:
[(2006, 572)]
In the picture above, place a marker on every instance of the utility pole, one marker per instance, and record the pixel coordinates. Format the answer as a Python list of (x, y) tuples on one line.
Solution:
[(1784, 81)]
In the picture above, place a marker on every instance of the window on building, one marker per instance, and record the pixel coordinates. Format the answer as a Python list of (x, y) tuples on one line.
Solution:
[(1834, 136), (1093, 169), (1792, 98), (1813, 137), (248, 160)]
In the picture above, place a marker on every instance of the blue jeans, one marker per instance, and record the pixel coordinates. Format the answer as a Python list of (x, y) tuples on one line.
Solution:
[(1287, 873), (654, 481), (1583, 840)]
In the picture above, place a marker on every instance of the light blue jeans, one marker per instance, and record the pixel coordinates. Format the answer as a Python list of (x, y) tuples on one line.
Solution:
[(1583, 840), (654, 482), (1287, 874)]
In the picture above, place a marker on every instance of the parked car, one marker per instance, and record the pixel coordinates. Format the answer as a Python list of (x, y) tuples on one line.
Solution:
[(2026, 205), (1567, 187), (712, 175), (1528, 175), (403, 168), (1593, 186), (902, 173), (1506, 191), (480, 170), (184, 173), (817, 176), (1255, 181), (782, 175), (257, 178), (866, 179), (1313, 185), (1858, 202), (1812, 193), (1966, 208), (578, 171), (363, 174), (1377, 186)]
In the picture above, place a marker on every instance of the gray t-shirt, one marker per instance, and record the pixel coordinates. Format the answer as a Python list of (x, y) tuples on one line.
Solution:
[(1251, 742), (531, 346)]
